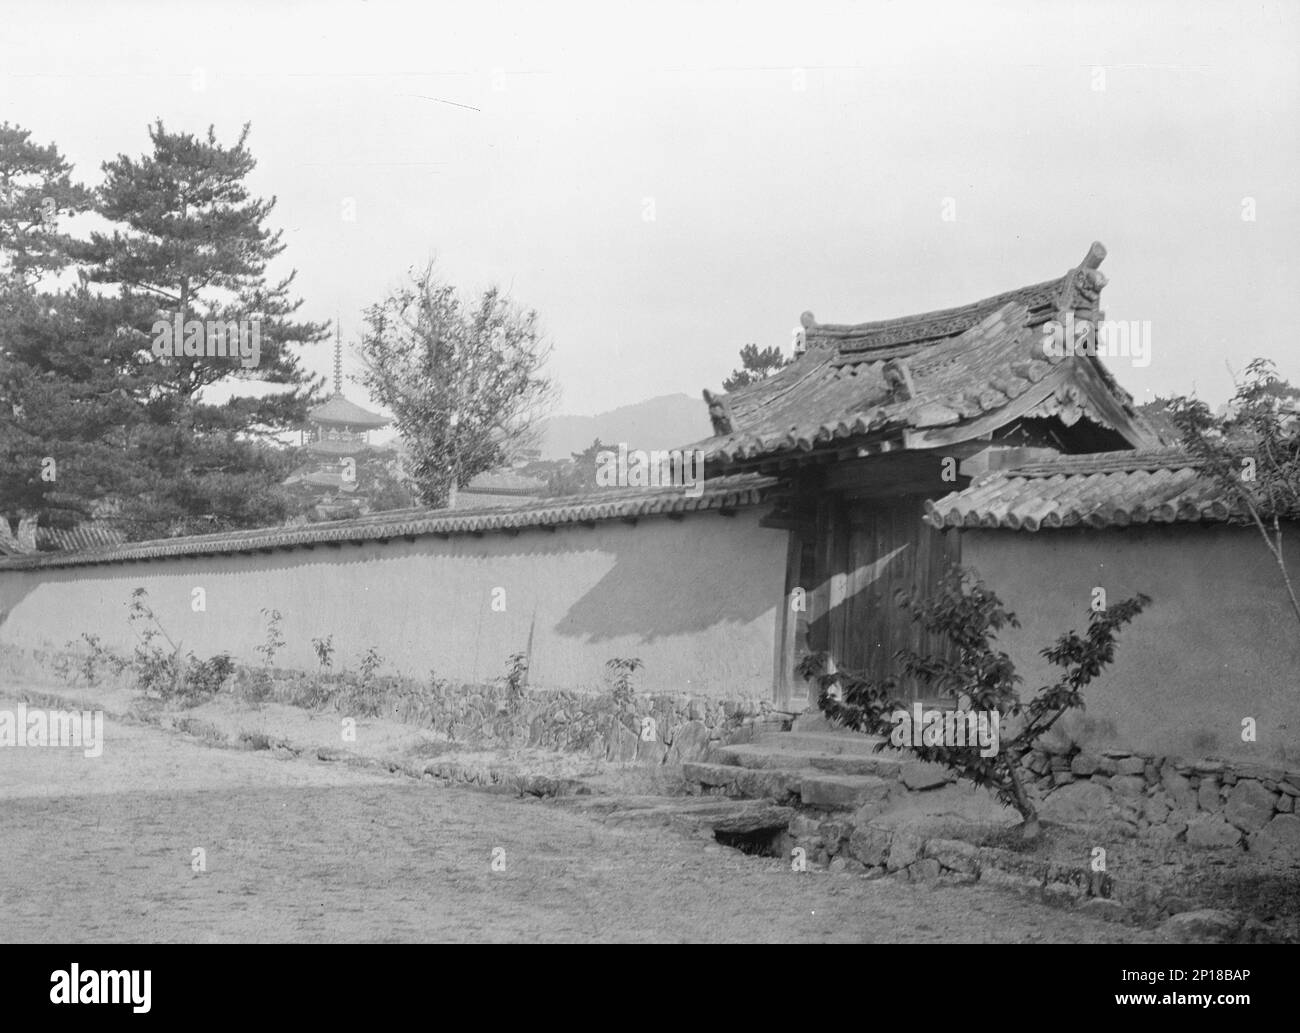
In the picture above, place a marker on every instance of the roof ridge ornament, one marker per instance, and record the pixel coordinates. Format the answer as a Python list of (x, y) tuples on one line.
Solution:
[(1087, 272), (898, 378), (719, 412)]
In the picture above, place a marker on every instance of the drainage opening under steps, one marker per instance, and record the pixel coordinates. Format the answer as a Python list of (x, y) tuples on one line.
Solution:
[(758, 842)]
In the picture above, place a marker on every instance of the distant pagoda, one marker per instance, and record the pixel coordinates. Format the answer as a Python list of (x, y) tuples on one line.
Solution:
[(336, 430)]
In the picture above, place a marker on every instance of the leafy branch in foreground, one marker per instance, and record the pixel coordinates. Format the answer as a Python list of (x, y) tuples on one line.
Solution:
[(1251, 452), (979, 678)]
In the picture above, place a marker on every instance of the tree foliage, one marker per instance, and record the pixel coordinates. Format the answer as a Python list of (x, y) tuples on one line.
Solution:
[(576, 475), (981, 677), (1251, 452), (755, 365), (36, 192), (129, 433), (463, 381)]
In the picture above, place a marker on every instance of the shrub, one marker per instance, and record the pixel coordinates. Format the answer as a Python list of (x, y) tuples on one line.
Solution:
[(156, 670), (204, 678), (970, 615), (515, 682), (364, 696), (619, 671)]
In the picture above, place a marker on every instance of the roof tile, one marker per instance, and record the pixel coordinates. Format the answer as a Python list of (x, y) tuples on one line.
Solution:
[(1108, 489), (611, 504)]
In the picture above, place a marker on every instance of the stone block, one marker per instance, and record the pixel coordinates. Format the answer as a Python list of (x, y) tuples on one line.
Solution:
[(1211, 831), (954, 854), (843, 792), (904, 850), (1279, 839), (1155, 810), (690, 742), (1128, 785), (918, 775), (650, 751), (710, 774), (1250, 806), (771, 783), (870, 845), (1082, 802), (1178, 787)]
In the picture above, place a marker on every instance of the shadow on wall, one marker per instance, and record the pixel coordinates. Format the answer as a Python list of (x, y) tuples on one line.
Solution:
[(705, 580), (16, 586)]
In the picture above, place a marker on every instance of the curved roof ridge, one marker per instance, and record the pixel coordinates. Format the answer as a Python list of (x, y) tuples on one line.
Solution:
[(1077, 288), (832, 330)]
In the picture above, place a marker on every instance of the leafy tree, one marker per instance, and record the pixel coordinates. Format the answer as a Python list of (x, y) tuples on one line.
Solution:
[(755, 365), (385, 486), (970, 615), (1251, 452), (463, 382)]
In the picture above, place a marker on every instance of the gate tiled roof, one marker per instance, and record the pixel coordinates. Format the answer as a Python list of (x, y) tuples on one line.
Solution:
[(945, 369), (1105, 489)]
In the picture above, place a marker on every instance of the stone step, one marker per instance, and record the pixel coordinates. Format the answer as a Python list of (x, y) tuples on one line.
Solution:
[(833, 743), (747, 783), (844, 792), (766, 755), (811, 787), (719, 814), (812, 720)]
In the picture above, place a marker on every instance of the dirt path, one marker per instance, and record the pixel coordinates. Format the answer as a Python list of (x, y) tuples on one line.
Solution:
[(297, 850)]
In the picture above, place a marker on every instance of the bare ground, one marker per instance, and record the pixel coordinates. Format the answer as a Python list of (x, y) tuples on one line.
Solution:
[(101, 849)]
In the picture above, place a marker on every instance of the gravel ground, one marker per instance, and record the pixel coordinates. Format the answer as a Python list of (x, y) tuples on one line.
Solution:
[(299, 850)]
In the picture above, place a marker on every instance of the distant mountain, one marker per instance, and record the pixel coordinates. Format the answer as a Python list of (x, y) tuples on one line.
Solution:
[(663, 422)]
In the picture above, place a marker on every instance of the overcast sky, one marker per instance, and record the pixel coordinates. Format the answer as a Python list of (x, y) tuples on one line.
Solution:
[(527, 144)]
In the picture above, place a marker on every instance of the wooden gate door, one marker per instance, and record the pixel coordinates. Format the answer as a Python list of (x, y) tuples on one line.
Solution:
[(890, 551), (850, 563)]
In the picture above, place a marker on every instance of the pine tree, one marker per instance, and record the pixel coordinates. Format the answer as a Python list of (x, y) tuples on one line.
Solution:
[(193, 247), (67, 374), (37, 192), (577, 475), (755, 365)]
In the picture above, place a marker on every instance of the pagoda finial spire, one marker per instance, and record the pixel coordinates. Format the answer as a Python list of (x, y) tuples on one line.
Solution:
[(338, 358)]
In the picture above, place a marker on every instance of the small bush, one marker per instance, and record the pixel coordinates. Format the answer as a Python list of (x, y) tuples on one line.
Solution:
[(619, 671), (324, 651), (364, 697), (515, 682), (204, 678)]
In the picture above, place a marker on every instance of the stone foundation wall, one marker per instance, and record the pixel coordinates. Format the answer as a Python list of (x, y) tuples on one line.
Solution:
[(1207, 803)]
